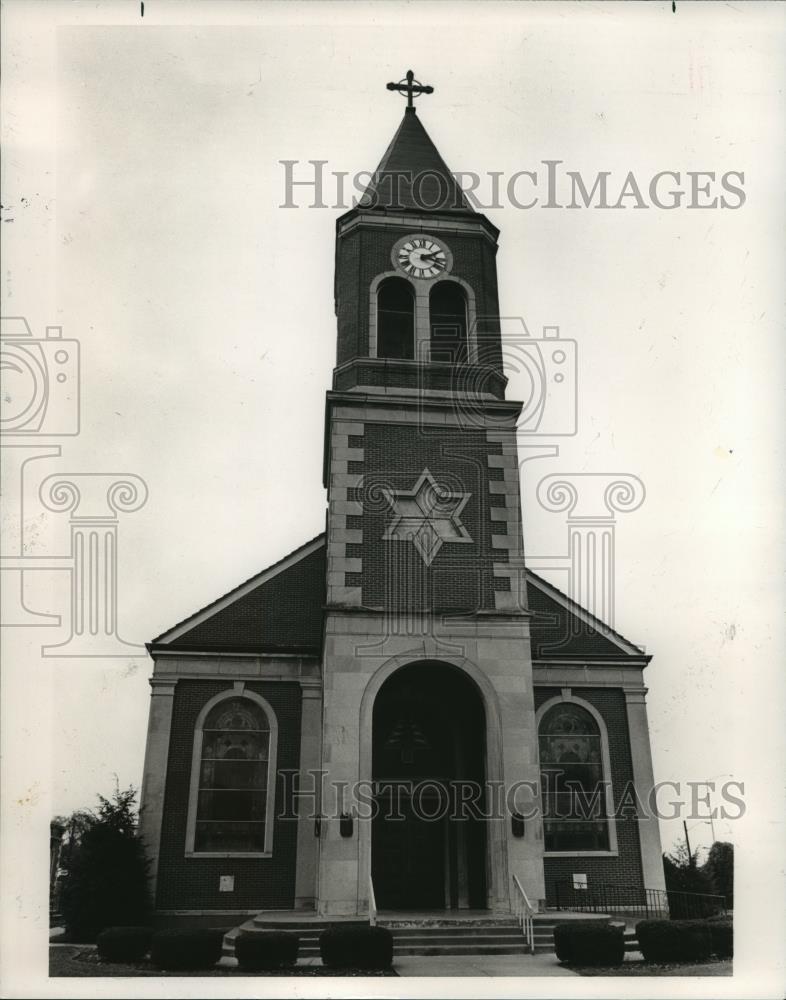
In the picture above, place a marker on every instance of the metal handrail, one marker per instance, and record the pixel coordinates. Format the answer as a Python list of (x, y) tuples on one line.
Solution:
[(372, 902), (606, 898), (524, 911)]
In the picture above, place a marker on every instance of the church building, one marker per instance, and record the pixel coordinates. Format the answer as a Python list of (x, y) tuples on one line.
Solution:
[(400, 715)]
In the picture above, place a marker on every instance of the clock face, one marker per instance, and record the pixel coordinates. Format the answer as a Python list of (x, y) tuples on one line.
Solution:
[(422, 257)]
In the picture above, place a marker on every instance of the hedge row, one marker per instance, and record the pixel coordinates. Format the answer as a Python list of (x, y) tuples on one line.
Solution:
[(592, 943), (180, 949), (684, 940)]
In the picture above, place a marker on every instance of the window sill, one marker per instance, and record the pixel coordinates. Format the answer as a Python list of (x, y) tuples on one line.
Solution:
[(581, 854), (229, 854)]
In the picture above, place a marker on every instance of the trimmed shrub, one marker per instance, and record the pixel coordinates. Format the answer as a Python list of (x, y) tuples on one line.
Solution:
[(589, 943), (179, 948), (722, 935), (124, 944), (674, 940), (263, 950), (563, 939), (356, 947)]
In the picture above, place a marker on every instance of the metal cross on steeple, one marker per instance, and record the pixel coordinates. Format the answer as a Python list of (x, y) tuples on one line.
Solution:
[(410, 88)]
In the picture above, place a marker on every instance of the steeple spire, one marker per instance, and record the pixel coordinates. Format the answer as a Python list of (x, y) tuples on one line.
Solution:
[(412, 176)]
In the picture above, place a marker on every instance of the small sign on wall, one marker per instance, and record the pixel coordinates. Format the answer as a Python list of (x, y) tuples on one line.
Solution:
[(226, 883), (579, 881)]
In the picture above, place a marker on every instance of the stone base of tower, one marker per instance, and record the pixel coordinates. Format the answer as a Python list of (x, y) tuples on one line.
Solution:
[(488, 654)]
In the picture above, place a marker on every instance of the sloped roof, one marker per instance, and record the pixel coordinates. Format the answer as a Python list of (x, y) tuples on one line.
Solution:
[(561, 629), (278, 610), (413, 176), (281, 609)]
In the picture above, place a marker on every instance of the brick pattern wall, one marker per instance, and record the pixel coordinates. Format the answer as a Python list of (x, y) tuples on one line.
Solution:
[(461, 576), (363, 253), (192, 883), (624, 870)]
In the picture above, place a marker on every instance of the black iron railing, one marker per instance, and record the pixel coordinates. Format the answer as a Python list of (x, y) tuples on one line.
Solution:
[(664, 903)]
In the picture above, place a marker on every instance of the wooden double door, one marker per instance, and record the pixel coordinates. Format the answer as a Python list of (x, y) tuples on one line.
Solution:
[(429, 737)]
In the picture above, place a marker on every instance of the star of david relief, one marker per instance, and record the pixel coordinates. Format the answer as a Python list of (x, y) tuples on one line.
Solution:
[(427, 515)]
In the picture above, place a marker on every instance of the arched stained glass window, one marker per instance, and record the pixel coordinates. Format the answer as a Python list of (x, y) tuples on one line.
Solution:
[(232, 792), (448, 318), (573, 784), (395, 319)]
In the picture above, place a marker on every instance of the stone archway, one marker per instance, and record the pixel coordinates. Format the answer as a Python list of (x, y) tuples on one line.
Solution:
[(428, 763), (463, 865)]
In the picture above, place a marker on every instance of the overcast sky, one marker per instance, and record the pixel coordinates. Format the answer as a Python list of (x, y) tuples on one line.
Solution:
[(142, 175)]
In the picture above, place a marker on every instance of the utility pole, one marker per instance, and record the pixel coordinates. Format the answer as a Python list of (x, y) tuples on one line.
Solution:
[(687, 842)]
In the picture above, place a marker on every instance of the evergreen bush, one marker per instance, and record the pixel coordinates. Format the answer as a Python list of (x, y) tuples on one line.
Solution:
[(256, 951), (177, 949), (356, 947), (589, 943), (106, 884), (674, 940), (124, 944)]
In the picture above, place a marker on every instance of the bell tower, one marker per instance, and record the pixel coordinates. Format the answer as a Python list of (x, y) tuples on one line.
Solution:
[(425, 568)]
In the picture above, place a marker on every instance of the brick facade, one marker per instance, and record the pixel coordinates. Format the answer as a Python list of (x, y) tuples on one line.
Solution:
[(625, 870), (461, 577), (364, 253), (193, 883)]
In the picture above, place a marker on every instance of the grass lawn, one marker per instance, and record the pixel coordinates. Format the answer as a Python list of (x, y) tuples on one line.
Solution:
[(76, 960), (638, 967)]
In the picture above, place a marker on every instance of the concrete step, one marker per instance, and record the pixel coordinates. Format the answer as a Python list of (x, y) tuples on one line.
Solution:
[(300, 926), (462, 949), (407, 940), (481, 934), (457, 931), (502, 920), (496, 936)]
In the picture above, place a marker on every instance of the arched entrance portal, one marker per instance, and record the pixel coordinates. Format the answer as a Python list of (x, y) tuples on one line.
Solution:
[(428, 766)]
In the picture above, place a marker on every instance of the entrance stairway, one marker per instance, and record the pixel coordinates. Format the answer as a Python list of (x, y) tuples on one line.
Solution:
[(446, 934), (466, 932)]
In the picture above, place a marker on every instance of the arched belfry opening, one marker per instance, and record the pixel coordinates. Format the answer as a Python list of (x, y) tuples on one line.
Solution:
[(429, 837), (396, 319), (448, 322)]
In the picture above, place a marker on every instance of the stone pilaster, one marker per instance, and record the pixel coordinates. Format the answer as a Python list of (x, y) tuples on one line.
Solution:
[(643, 778), (155, 770), (310, 760)]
